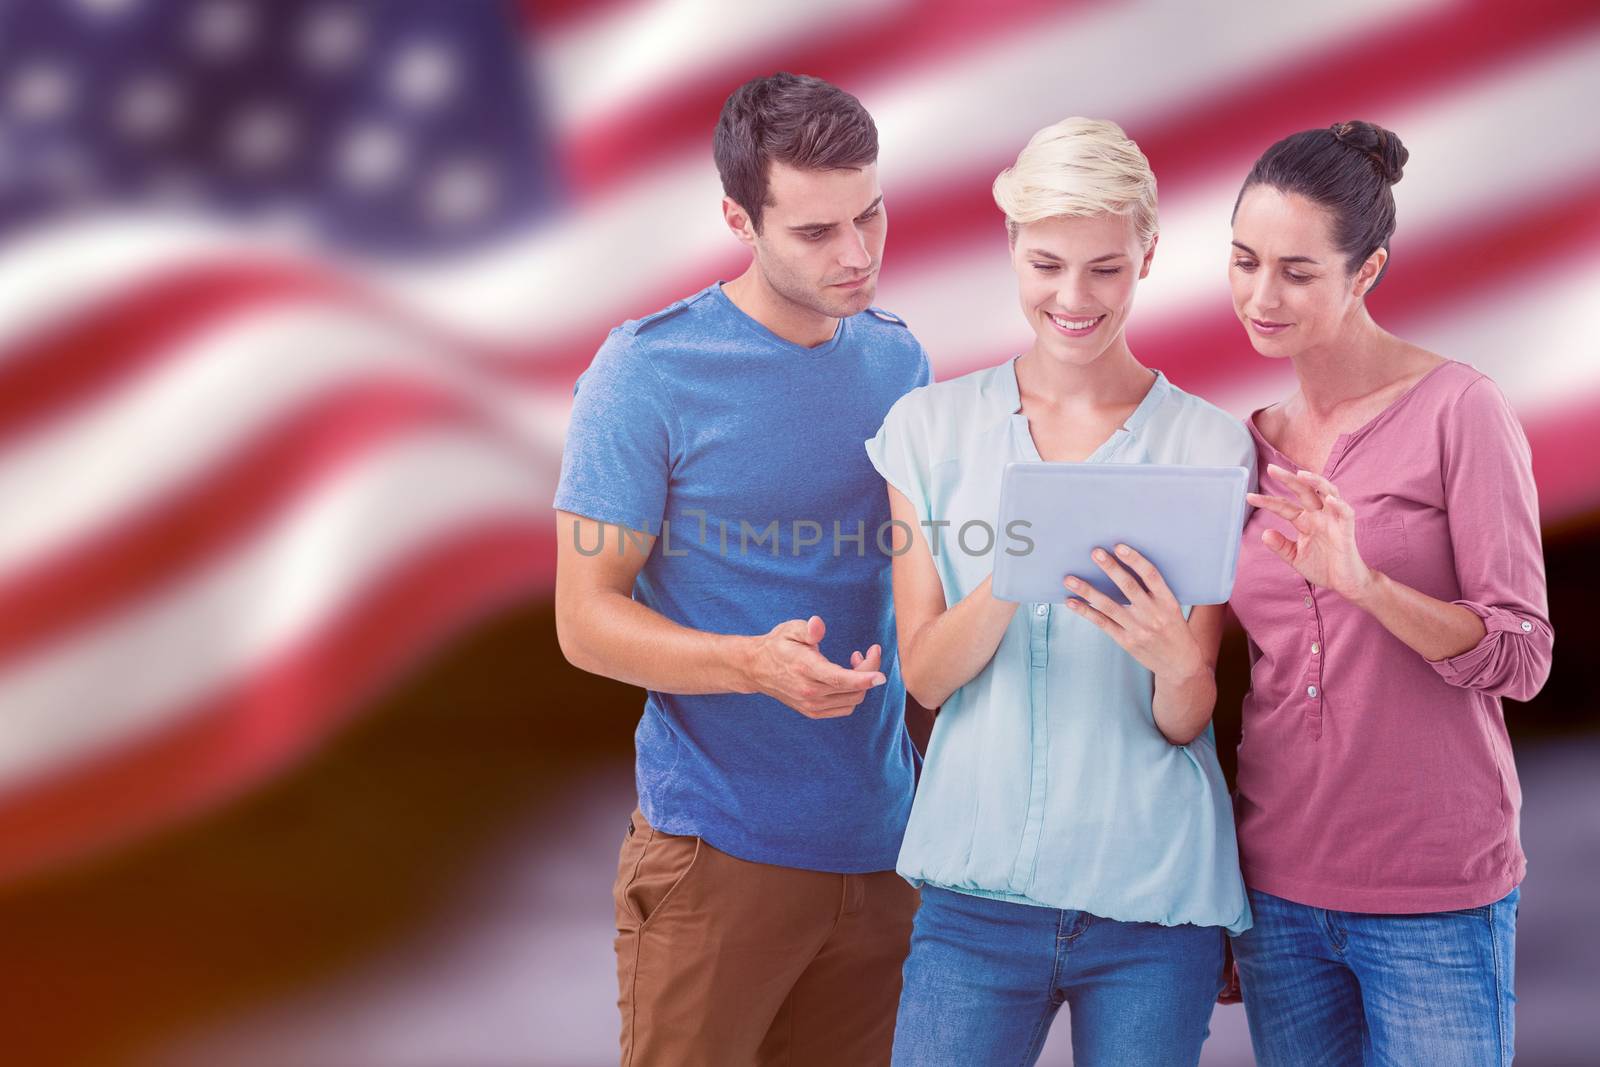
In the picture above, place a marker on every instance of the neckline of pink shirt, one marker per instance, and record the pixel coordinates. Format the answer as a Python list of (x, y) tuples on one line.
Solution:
[(1342, 443)]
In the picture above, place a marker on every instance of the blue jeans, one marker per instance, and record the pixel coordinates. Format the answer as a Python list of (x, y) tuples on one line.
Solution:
[(1336, 987), (985, 977)]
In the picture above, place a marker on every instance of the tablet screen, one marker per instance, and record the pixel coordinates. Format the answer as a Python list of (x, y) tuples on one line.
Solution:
[(1186, 520)]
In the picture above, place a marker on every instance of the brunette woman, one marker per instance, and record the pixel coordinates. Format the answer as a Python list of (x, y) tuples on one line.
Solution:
[(1392, 585)]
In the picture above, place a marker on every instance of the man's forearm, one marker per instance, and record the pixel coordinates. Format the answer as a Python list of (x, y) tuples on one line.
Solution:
[(618, 637)]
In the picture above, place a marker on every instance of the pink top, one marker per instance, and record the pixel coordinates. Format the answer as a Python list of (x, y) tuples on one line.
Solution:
[(1371, 779)]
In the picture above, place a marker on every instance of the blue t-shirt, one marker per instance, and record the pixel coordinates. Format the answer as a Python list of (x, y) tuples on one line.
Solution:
[(741, 452)]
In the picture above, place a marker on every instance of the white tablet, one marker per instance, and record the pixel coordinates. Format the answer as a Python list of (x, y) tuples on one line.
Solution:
[(1185, 520)]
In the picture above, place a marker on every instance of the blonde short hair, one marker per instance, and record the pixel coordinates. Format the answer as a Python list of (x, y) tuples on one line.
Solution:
[(1079, 167)]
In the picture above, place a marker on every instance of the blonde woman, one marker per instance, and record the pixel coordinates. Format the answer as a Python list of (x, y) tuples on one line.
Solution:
[(1072, 832)]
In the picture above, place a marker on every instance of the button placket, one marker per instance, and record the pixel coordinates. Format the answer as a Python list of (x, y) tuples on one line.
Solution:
[(1038, 721), (1312, 691)]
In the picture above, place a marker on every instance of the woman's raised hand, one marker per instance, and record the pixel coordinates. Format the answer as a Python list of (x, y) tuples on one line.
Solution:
[(1324, 550)]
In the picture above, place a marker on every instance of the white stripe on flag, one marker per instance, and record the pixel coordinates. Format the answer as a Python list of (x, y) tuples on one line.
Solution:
[(1126, 62), (611, 62), (55, 273), (1534, 337), (140, 668), (664, 230), (208, 396), (963, 304)]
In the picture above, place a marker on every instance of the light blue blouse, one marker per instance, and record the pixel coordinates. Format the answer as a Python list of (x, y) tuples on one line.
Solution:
[(1047, 781)]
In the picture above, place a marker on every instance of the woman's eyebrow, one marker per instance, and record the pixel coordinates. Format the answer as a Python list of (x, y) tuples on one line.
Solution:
[(1241, 246)]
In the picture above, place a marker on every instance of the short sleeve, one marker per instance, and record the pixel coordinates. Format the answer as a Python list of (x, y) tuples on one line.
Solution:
[(1243, 454), (899, 455), (924, 368), (1227, 443), (621, 440), (1493, 510)]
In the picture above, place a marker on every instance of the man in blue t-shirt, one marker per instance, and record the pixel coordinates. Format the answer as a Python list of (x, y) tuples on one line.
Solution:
[(725, 544)]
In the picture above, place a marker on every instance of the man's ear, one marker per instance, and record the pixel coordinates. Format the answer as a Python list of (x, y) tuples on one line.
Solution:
[(738, 220), (1368, 272)]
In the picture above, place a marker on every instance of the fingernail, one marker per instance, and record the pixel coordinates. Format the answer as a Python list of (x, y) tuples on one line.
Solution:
[(1123, 550), (877, 680), (1071, 581), (1099, 556)]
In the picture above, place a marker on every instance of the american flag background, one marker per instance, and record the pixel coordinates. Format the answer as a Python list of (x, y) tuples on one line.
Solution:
[(293, 294)]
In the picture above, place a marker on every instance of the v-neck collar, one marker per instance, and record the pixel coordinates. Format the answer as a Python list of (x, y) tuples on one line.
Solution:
[(1342, 443), (771, 338), (1010, 395)]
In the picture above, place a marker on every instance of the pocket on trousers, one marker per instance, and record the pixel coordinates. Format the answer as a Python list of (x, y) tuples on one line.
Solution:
[(660, 865)]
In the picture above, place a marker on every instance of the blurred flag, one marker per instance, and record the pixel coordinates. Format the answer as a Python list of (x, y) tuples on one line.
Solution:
[(243, 489), (246, 486)]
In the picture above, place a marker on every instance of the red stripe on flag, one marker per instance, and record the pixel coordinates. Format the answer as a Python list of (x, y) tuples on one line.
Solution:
[(681, 116), (91, 352), (1400, 60), (221, 746), (230, 500), (546, 16), (1201, 353), (1224, 133), (1442, 50), (70, 363), (1565, 442)]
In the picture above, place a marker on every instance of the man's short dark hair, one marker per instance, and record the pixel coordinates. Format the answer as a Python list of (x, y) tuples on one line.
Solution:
[(795, 119)]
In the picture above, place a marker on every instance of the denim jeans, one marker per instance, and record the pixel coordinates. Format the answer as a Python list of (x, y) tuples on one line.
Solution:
[(1330, 988), (985, 977)]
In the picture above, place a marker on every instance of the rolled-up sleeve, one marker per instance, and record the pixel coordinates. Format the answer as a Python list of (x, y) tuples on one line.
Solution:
[(1493, 509)]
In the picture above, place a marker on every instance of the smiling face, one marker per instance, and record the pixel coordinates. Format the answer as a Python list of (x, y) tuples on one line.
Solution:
[(1076, 277), (1292, 287), (821, 239)]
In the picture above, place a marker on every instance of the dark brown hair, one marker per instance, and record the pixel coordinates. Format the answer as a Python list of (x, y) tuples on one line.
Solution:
[(1347, 169), (794, 119)]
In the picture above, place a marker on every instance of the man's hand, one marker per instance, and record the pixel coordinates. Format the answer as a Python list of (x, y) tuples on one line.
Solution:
[(787, 665)]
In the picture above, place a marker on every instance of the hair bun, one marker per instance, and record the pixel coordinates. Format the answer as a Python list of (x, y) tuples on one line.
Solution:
[(1379, 145)]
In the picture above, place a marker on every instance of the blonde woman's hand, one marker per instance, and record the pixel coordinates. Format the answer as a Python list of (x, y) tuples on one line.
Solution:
[(1150, 627)]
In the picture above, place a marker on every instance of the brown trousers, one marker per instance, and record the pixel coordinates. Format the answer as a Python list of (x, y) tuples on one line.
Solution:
[(724, 961)]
